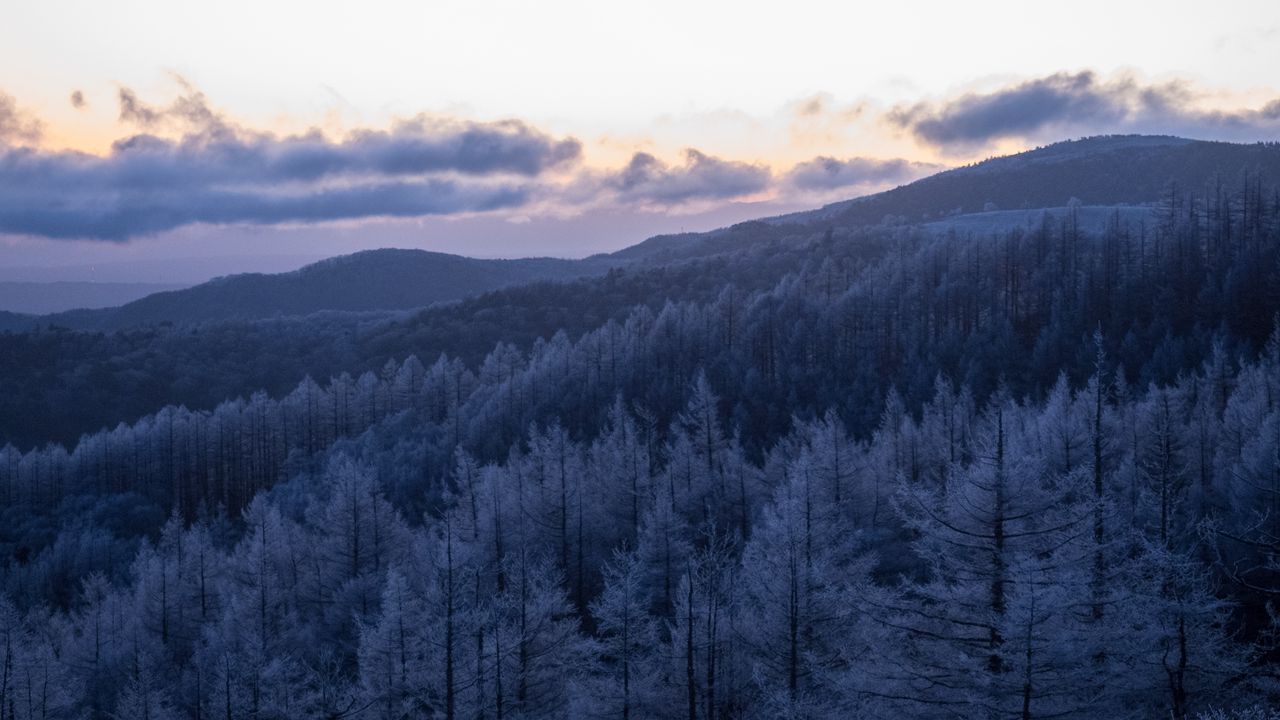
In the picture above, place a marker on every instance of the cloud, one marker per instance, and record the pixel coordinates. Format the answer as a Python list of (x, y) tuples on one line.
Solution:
[(77, 100), (647, 180), (189, 112), (1062, 103), (214, 145), (820, 122), (106, 213), (417, 145), (16, 126), (414, 148), (828, 173), (218, 172), (824, 106), (703, 181), (149, 184), (133, 110)]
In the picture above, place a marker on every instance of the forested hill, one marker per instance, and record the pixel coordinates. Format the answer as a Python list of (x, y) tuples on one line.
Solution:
[(1123, 170), (370, 280), (802, 468), (56, 383), (1105, 171)]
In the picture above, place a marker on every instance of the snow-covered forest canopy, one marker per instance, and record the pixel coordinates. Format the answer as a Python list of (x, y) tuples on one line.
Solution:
[(873, 472)]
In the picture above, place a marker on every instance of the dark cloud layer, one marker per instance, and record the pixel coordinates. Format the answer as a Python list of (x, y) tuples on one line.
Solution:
[(148, 184), (647, 180), (217, 172), (1048, 107), (415, 148), (215, 145), (828, 173), (110, 214)]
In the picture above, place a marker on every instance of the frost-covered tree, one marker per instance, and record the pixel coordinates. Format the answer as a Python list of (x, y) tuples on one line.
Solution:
[(801, 598), (629, 640), (994, 630)]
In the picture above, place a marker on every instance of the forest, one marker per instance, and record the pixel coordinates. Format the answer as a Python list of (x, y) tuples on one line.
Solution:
[(827, 471)]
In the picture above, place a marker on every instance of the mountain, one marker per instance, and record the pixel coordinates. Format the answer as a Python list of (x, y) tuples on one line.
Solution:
[(388, 279), (1108, 170), (1104, 172)]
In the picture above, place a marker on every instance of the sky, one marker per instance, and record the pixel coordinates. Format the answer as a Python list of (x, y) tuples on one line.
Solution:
[(162, 140)]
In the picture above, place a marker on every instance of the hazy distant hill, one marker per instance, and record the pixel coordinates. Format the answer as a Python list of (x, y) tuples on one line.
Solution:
[(369, 280), (50, 297)]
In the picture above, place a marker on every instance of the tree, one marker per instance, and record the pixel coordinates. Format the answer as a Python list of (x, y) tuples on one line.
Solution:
[(392, 654), (800, 595), (993, 630), (544, 653), (1178, 649), (695, 453), (629, 638)]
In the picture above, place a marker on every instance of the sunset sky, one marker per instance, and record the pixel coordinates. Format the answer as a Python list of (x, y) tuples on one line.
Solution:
[(138, 134)]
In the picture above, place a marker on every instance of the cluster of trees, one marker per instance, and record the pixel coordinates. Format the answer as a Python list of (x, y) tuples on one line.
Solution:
[(185, 459), (1094, 553)]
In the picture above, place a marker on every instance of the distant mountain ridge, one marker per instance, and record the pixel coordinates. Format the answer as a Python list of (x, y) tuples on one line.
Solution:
[(388, 279), (1098, 173)]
